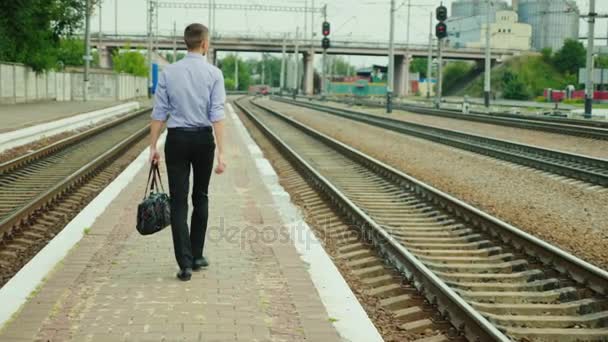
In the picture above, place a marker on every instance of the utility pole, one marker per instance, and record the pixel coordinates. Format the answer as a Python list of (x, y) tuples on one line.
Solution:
[(116, 17), (174, 42), (312, 22), (391, 61), (100, 28), (210, 18), (236, 72), (429, 67), (282, 79), (150, 18), (439, 71), (324, 62), (590, 39), (263, 69), (87, 51), (487, 71), (305, 35), (407, 49)]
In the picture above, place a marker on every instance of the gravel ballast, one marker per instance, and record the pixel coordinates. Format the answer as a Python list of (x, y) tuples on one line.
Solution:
[(570, 216)]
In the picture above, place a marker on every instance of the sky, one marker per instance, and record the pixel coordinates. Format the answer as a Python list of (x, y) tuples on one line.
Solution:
[(366, 20)]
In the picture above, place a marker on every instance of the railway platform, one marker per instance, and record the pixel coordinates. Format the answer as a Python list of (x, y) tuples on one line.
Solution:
[(268, 279), (16, 116)]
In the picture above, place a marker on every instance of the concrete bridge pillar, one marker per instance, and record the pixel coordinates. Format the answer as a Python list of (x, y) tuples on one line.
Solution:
[(105, 56), (309, 72), (212, 56), (401, 74)]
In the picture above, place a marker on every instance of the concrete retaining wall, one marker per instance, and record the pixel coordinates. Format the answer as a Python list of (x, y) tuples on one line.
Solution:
[(20, 84)]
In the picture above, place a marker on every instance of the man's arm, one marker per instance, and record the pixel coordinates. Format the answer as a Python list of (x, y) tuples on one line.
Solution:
[(218, 129), (216, 116), (159, 116)]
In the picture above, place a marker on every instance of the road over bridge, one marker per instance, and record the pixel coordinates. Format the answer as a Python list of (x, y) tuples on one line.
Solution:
[(307, 48)]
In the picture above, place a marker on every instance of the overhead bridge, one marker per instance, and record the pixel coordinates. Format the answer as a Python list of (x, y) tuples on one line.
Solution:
[(307, 48)]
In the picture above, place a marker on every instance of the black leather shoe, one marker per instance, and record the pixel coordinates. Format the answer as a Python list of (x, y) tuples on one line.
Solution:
[(184, 274), (200, 263)]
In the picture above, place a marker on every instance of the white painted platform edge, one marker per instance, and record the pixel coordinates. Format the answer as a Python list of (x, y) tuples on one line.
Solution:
[(29, 134), (15, 293), (352, 323)]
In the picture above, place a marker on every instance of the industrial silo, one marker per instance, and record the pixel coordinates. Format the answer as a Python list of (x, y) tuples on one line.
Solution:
[(470, 8), (552, 21)]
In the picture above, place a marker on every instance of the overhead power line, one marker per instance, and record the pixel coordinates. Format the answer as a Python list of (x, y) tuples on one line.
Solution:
[(239, 7)]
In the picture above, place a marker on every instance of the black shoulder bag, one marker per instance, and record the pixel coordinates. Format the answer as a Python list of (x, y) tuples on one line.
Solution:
[(154, 213)]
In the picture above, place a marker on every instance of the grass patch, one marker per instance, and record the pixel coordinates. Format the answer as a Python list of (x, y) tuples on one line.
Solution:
[(532, 70), (87, 230)]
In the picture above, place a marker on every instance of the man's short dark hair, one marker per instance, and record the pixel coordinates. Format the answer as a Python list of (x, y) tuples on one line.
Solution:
[(195, 34)]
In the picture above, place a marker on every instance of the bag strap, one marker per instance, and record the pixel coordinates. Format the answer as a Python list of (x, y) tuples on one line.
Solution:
[(160, 180), (151, 185)]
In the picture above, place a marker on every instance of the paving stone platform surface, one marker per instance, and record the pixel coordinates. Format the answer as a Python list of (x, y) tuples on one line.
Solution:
[(118, 286)]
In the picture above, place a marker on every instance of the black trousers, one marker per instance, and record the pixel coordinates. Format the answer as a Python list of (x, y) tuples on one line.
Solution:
[(185, 150)]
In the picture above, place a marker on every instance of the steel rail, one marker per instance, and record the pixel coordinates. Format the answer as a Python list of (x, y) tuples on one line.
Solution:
[(576, 166), (21, 161), (578, 269), (22, 215), (574, 127), (472, 324)]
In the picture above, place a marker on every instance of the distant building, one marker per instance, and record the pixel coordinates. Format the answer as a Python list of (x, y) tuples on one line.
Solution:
[(553, 21), (473, 8), (506, 33), (467, 18)]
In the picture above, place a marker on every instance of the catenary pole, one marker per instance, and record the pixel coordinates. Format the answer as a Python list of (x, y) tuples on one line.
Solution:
[(116, 17), (324, 62), (429, 67), (488, 65), (590, 40), (150, 18), (87, 51), (174, 42), (99, 38), (439, 71), (391, 61), (236, 72)]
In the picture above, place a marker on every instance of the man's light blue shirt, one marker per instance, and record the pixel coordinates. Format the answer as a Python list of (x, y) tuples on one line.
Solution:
[(190, 93)]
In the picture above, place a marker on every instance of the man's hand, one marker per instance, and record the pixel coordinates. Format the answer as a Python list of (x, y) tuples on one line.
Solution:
[(221, 166), (154, 155)]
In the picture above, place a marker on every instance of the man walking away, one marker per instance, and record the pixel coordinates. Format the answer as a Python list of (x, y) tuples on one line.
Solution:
[(190, 97)]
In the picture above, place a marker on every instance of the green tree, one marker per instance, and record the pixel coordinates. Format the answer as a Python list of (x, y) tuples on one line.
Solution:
[(269, 67), (547, 54), (419, 65), (70, 51), (227, 65), (169, 56), (570, 58), (130, 62), (514, 88), (30, 30), (341, 67)]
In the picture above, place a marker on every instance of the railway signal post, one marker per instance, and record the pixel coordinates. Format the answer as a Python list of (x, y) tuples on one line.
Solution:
[(441, 32)]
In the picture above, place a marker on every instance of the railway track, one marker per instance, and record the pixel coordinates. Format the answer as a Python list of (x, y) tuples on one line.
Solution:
[(580, 167), (575, 127), (490, 280), (43, 190)]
